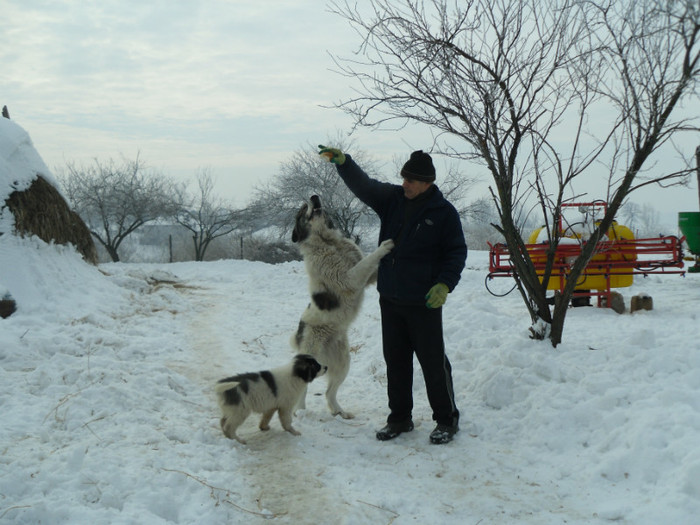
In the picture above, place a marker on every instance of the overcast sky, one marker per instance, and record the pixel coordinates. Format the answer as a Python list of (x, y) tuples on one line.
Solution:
[(233, 86)]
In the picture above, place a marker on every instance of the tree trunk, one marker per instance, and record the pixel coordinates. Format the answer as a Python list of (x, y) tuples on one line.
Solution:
[(561, 307), (112, 251), (197, 247)]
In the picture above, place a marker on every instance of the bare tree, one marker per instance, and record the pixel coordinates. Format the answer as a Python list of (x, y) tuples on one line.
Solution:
[(519, 86), (116, 198), (206, 216)]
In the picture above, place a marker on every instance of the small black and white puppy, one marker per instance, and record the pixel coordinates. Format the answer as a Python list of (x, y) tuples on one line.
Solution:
[(266, 392)]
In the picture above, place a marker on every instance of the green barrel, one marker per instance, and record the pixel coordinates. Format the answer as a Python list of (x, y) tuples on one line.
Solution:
[(689, 224)]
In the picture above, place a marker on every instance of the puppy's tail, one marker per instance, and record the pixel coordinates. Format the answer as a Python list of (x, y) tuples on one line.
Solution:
[(227, 393), (222, 385)]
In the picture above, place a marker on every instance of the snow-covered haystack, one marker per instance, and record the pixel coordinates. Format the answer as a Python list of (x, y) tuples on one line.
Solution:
[(30, 203), (41, 210)]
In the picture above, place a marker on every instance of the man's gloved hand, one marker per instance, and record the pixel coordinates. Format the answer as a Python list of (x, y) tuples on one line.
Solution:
[(436, 296), (333, 155)]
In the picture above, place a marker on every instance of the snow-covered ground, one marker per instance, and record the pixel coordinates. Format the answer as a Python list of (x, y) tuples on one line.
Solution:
[(108, 414)]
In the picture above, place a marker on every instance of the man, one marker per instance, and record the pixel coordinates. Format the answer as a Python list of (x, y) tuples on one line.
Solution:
[(413, 283)]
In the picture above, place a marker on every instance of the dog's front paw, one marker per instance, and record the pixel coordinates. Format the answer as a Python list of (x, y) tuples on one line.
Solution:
[(386, 246)]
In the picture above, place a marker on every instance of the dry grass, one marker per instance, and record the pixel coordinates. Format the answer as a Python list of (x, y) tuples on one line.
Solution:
[(42, 211)]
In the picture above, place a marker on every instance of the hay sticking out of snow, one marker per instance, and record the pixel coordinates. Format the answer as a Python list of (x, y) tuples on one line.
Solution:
[(41, 210)]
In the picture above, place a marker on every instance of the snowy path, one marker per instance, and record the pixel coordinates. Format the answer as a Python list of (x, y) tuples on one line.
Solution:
[(272, 470)]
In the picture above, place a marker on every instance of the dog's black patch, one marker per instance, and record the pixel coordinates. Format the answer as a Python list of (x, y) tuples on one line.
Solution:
[(270, 380), (300, 332), (243, 380), (325, 301), (232, 396), (306, 367), (239, 378)]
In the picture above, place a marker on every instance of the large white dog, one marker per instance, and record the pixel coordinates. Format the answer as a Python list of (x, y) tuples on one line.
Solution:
[(338, 275)]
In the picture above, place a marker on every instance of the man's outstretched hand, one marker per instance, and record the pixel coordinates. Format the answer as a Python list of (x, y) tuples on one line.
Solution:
[(333, 155)]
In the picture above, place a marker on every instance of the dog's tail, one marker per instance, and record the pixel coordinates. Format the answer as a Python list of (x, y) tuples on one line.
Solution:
[(220, 388), (226, 391), (225, 384)]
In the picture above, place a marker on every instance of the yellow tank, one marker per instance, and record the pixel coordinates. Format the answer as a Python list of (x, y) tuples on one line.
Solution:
[(595, 279)]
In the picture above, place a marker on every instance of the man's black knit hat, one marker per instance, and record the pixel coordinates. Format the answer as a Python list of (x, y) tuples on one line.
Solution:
[(419, 167)]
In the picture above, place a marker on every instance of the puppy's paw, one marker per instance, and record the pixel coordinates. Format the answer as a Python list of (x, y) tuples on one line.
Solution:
[(226, 430), (344, 414), (264, 427)]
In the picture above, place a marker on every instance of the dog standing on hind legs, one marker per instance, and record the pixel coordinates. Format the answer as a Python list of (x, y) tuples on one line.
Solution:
[(338, 275)]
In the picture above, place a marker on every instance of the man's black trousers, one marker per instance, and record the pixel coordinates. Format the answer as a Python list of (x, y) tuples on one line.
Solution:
[(409, 329)]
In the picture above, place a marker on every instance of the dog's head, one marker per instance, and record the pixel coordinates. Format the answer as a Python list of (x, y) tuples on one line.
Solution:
[(307, 368), (310, 217)]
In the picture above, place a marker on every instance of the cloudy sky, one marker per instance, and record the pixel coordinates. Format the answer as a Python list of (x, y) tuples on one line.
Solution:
[(232, 86)]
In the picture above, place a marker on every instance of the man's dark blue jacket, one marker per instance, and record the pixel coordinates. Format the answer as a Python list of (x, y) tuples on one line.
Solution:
[(430, 246)]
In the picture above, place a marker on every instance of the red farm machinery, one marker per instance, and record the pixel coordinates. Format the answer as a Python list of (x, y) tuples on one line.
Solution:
[(617, 258)]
